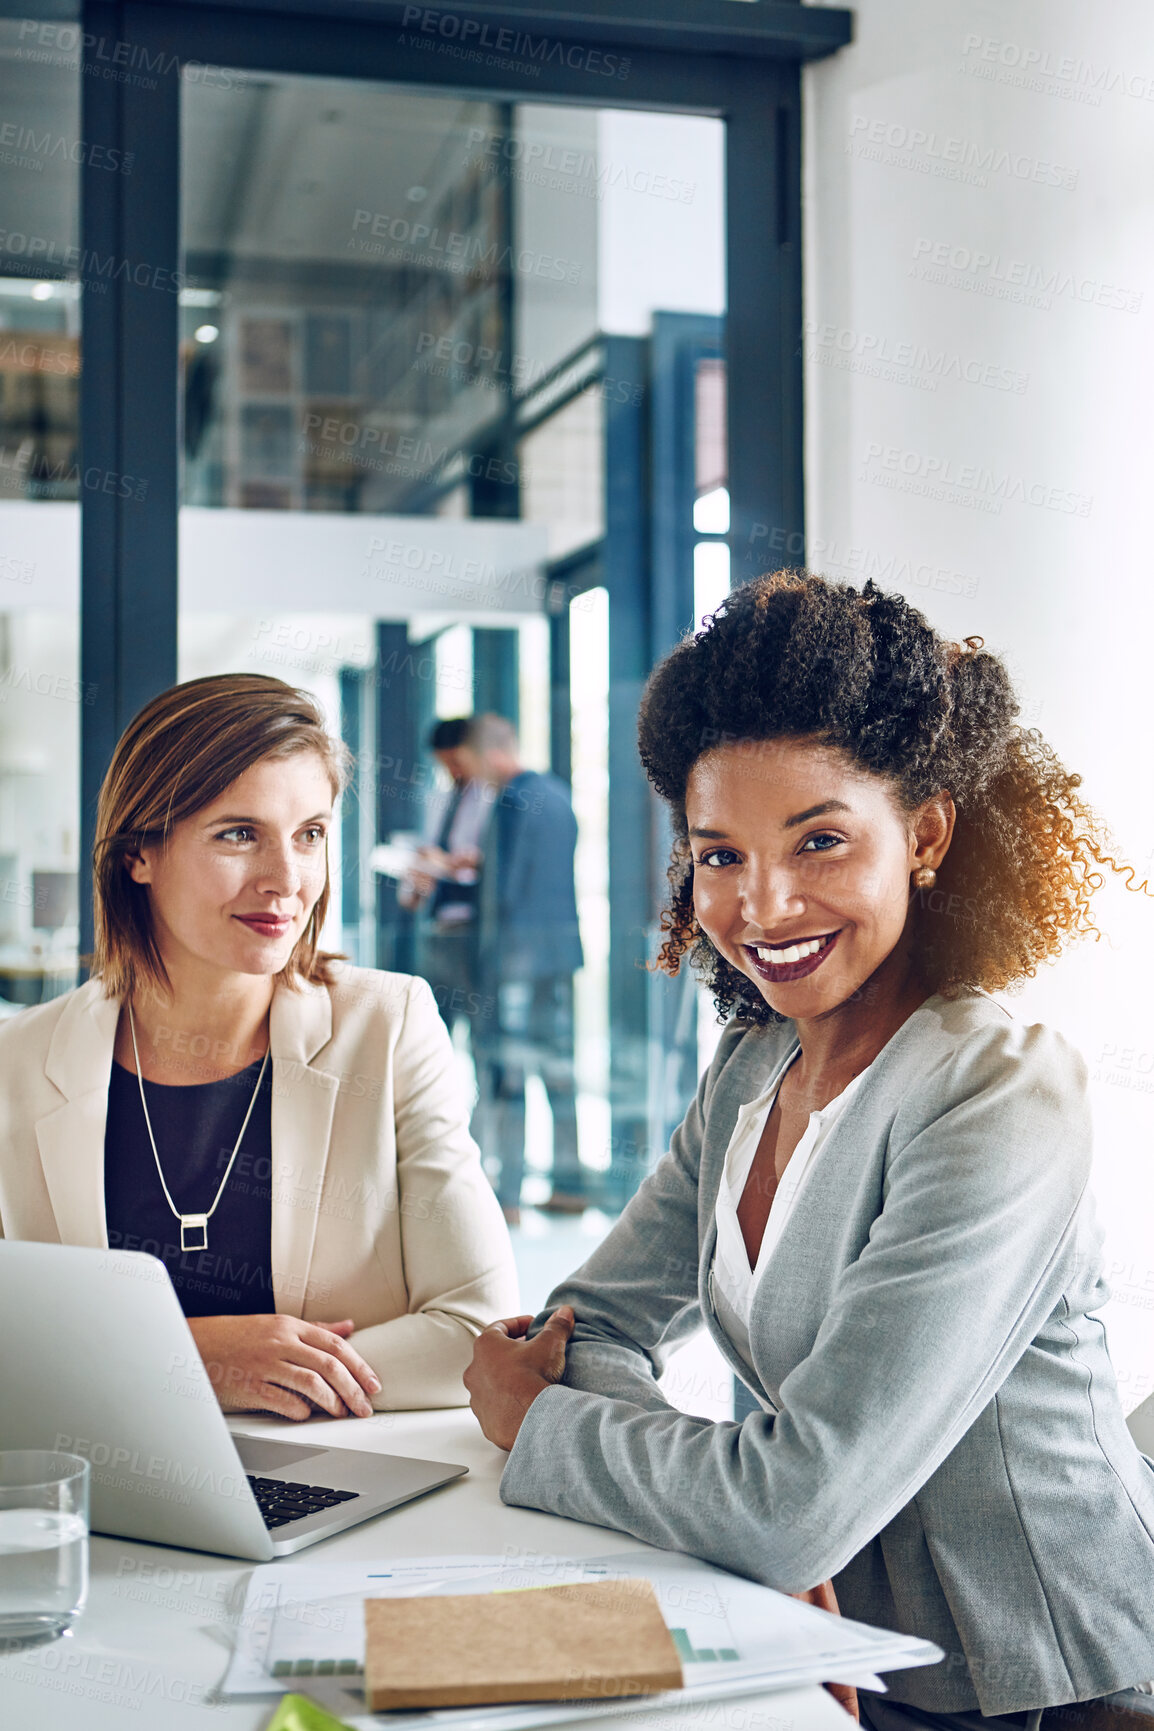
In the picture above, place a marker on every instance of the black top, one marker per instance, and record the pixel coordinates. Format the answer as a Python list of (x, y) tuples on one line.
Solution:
[(195, 1129)]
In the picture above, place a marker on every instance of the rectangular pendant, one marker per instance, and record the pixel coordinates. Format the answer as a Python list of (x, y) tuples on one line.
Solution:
[(193, 1223)]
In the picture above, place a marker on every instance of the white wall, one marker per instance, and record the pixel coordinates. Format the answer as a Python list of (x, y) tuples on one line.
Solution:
[(980, 337)]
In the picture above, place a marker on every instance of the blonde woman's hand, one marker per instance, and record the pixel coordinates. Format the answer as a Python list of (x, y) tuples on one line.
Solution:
[(282, 1365)]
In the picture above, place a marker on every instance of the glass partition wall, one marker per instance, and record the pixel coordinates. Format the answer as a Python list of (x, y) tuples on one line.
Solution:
[(42, 483), (412, 327)]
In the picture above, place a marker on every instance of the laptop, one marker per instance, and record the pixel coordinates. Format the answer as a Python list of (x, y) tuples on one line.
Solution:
[(96, 1359), (1140, 1424)]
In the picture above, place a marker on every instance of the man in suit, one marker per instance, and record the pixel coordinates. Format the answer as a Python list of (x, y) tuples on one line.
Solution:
[(529, 947), (443, 883)]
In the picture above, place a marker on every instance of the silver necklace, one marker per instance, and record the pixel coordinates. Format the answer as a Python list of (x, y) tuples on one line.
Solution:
[(191, 1222)]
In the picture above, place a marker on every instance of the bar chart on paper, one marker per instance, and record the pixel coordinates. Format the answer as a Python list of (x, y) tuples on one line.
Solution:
[(691, 1655), (282, 1669)]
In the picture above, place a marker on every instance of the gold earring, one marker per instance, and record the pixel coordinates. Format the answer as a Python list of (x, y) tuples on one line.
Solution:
[(925, 878)]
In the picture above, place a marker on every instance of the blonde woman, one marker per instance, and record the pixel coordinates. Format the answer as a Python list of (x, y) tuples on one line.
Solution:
[(281, 1129)]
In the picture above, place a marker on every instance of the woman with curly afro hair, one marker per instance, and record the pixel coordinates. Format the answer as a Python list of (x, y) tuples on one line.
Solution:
[(877, 1203)]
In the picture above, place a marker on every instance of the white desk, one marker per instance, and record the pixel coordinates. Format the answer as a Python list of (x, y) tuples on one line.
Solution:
[(154, 1640)]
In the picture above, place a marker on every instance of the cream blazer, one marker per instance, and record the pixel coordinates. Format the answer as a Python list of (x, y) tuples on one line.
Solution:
[(380, 1208)]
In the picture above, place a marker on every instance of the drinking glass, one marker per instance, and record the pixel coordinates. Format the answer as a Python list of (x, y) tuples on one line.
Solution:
[(43, 1544)]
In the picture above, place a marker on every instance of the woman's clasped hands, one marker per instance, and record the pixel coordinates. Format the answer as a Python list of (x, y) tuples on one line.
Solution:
[(508, 1371), (283, 1365), (507, 1374)]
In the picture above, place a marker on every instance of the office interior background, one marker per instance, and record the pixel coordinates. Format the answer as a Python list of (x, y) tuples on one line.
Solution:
[(437, 380)]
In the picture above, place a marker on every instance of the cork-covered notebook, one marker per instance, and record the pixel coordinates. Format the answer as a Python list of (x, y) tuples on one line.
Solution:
[(589, 1639)]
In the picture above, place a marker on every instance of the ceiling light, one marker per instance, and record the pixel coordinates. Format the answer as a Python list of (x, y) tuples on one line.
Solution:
[(42, 291), (206, 333)]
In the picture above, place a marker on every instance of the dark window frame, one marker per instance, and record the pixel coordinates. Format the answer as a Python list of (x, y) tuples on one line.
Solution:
[(739, 63)]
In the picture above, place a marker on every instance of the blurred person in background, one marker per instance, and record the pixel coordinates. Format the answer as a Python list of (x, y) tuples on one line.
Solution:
[(443, 883), (529, 947)]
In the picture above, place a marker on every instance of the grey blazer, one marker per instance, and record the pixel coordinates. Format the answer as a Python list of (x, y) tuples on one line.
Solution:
[(944, 1436)]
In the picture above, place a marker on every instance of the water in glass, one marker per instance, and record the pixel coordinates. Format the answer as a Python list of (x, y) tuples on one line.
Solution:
[(43, 1544)]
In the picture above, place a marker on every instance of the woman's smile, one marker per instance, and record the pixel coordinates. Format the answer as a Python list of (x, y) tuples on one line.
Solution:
[(779, 964)]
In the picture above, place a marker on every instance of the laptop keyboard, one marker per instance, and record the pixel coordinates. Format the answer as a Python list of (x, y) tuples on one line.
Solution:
[(281, 1501)]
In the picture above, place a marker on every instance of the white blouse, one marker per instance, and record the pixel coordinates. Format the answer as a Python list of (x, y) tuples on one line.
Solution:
[(732, 1282)]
